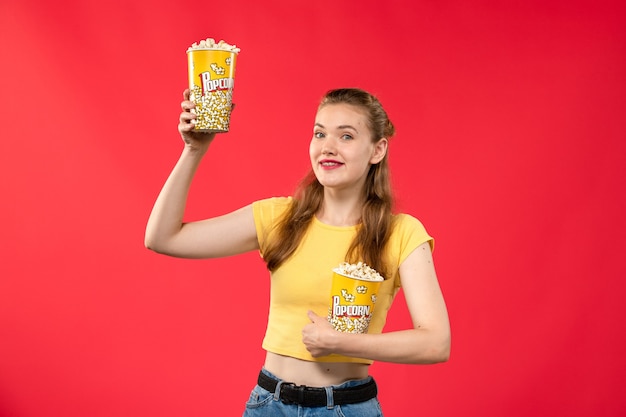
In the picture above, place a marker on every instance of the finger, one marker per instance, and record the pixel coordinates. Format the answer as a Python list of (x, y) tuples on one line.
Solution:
[(186, 94), (187, 122), (187, 105), (312, 316), (188, 117)]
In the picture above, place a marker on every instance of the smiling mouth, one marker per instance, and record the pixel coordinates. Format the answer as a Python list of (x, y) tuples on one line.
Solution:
[(330, 163)]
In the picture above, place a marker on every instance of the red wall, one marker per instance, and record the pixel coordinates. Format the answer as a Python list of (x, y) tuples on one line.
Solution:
[(510, 148)]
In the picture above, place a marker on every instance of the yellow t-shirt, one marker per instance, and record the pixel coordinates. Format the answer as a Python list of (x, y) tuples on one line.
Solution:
[(303, 282)]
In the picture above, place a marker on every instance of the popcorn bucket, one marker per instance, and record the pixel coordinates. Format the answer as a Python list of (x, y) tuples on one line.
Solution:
[(211, 70), (352, 302)]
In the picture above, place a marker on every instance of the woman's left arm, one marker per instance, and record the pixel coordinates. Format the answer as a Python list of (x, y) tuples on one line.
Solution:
[(427, 342)]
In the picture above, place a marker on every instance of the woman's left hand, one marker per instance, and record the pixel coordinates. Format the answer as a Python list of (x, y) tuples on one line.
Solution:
[(318, 336)]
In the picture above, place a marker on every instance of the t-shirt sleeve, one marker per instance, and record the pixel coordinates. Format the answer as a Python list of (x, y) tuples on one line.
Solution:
[(411, 233), (266, 213)]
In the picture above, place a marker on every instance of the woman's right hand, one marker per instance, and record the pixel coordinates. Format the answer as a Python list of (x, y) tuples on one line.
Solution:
[(194, 140)]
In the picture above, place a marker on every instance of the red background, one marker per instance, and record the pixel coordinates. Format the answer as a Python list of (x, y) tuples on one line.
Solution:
[(510, 148)]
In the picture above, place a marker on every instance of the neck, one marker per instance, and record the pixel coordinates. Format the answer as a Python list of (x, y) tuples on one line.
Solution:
[(340, 210)]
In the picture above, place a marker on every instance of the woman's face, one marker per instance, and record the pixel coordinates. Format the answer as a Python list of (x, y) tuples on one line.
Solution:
[(342, 148)]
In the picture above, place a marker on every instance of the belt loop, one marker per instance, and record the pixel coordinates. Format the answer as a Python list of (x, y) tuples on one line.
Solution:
[(277, 390), (301, 389), (330, 400)]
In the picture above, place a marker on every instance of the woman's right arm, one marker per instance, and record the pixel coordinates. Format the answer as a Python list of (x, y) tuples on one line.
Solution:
[(226, 235)]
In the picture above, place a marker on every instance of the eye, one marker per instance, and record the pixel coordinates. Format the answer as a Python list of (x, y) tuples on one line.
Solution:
[(319, 135), (346, 136)]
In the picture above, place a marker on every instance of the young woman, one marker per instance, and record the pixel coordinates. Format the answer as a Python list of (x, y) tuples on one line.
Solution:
[(341, 212)]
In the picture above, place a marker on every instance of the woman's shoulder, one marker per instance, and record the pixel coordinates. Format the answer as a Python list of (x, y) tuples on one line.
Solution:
[(280, 201), (408, 228), (403, 220), (271, 207)]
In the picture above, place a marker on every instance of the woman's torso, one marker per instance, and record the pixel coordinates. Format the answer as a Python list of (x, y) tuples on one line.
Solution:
[(313, 374)]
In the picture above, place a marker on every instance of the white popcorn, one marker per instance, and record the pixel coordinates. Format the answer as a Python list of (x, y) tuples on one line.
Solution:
[(359, 271), (209, 43)]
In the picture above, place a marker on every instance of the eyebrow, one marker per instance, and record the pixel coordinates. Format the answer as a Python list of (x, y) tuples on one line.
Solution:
[(339, 127)]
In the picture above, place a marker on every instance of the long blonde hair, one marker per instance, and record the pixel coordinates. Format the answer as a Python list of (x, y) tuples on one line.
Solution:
[(376, 215)]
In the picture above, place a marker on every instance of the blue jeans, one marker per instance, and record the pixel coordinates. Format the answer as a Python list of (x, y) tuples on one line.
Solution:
[(263, 403)]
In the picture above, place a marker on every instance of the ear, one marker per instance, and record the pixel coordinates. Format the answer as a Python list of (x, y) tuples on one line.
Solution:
[(380, 150)]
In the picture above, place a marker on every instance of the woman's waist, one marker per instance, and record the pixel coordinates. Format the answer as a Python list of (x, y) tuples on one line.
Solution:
[(313, 374)]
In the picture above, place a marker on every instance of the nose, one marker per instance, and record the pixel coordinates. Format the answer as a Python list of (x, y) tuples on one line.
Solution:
[(328, 147)]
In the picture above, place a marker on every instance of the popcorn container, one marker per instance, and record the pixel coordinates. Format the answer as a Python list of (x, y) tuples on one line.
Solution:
[(211, 79), (352, 302)]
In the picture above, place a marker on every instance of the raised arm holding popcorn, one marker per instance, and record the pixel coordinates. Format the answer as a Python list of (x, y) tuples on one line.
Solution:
[(341, 213)]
